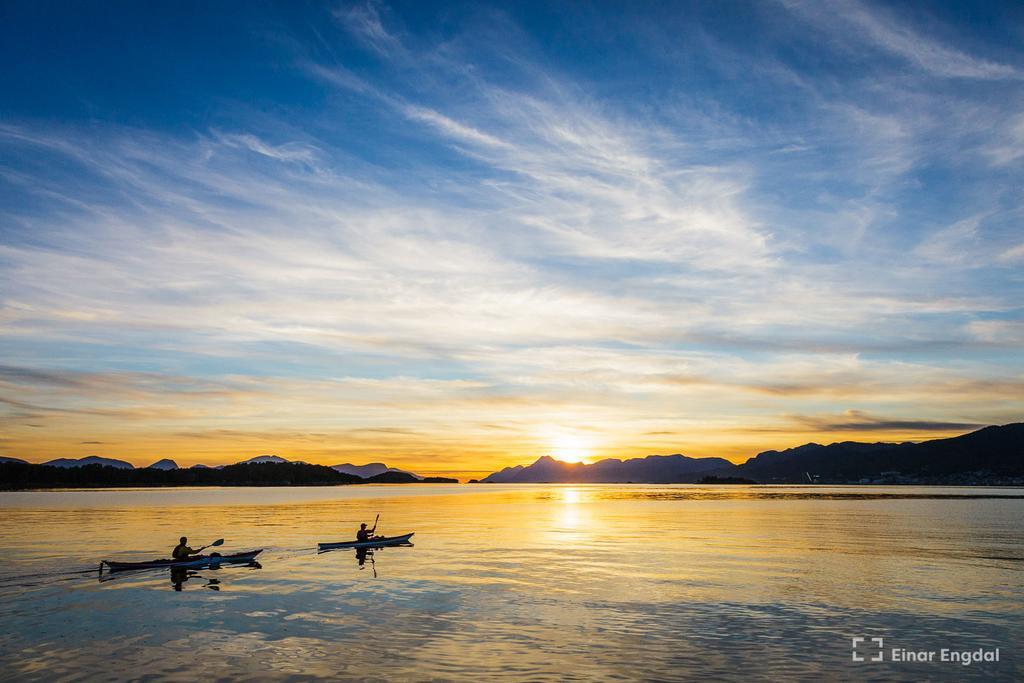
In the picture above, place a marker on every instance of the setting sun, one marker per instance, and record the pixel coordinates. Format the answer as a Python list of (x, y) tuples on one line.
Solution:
[(570, 448)]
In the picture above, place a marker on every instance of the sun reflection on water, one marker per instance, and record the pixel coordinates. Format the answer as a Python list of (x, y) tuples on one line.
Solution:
[(521, 582)]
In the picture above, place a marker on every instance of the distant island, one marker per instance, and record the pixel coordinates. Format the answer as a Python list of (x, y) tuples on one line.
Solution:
[(989, 456), (265, 470)]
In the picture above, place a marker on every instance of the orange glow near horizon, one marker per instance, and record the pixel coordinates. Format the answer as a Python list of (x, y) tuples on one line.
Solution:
[(570, 448), (470, 455)]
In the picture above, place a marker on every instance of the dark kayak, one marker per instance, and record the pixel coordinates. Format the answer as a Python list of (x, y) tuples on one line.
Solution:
[(195, 561), (375, 543)]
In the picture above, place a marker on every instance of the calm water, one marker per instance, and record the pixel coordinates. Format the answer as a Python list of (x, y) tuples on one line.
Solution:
[(561, 582)]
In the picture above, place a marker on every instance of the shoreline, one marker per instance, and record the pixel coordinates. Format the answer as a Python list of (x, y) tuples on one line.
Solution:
[(254, 485)]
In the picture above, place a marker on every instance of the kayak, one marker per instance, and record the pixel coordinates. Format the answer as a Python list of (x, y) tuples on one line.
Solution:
[(375, 543), (196, 561)]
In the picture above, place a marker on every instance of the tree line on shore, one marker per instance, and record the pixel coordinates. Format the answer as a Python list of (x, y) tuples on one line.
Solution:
[(15, 475)]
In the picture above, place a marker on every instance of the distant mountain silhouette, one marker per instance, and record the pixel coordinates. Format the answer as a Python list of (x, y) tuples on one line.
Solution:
[(90, 460), (372, 469), (844, 460), (989, 455), (363, 472), (261, 459), (367, 471), (14, 475), (164, 464), (392, 476), (652, 469)]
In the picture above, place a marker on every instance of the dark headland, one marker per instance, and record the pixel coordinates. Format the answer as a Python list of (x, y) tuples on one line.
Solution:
[(18, 475), (989, 456)]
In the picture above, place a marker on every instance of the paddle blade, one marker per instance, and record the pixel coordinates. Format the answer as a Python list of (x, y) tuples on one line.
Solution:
[(219, 541)]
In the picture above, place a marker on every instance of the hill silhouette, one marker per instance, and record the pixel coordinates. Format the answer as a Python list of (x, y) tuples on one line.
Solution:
[(652, 469), (990, 455), (21, 475)]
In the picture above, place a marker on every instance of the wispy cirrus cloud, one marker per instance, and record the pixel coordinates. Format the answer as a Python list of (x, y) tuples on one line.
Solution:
[(453, 129), (363, 21), (860, 22), (291, 151)]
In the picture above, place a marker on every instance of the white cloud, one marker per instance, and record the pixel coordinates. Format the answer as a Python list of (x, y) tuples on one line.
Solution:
[(1003, 332), (451, 128), (1008, 143), (957, 243), (364, 22), (292, 151), (855, 21), (1012, 255)]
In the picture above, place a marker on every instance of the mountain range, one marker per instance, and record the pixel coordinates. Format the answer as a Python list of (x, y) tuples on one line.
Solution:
[(987, 456), (90, 460), (371, 470), (992, 455), (23, 475), (654, 468)]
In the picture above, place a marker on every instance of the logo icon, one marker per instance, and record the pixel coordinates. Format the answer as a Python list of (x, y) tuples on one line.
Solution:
[(860, 649)]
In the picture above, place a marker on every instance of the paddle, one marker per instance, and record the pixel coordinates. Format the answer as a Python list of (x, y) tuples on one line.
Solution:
[(374, 529)]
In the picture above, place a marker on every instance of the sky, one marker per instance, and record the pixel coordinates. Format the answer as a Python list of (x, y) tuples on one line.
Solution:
[(454, 237)]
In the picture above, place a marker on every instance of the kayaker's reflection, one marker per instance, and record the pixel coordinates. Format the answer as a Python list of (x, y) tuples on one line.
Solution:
[(361, 555), (179, 575)]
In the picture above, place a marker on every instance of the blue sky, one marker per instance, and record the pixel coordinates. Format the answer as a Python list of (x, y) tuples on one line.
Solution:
[(457, 236)]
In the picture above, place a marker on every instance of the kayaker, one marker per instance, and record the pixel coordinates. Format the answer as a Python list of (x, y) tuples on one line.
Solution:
[(182, 551), (364, 534)]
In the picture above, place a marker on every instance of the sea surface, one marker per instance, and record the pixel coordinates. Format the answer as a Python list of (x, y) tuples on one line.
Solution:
[(516, 582)]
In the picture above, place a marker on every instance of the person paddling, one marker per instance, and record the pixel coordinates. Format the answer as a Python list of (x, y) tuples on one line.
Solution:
[(182, 551), (365, 534)]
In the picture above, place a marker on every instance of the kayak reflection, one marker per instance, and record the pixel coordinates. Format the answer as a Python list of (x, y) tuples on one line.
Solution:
[(362, 549), (365, 552), (180, 575)]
